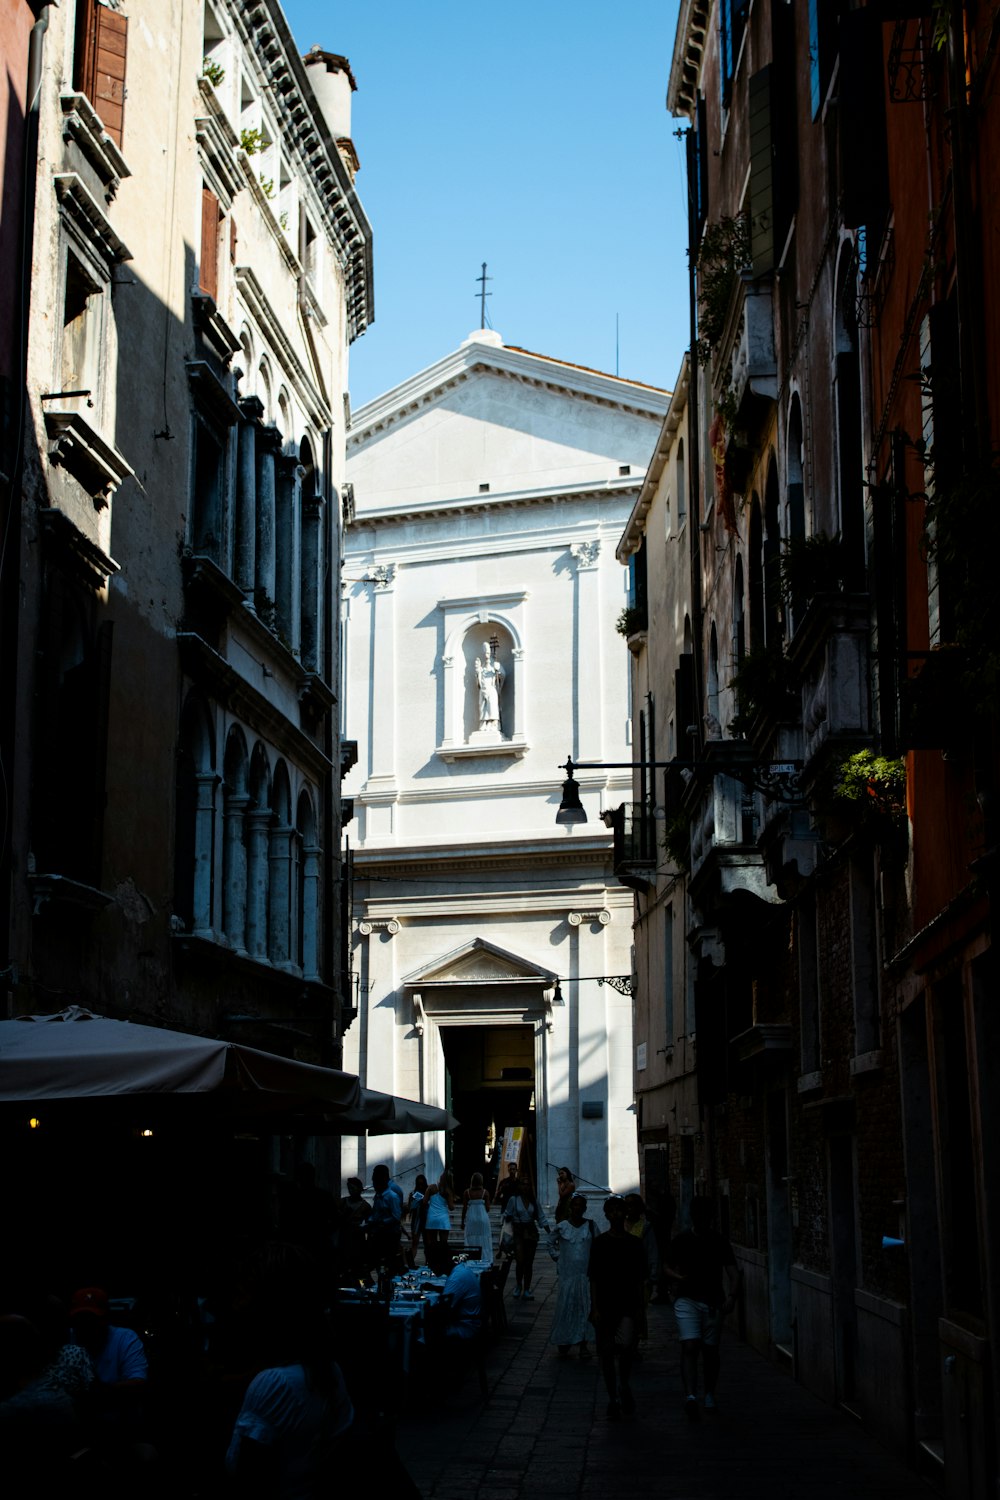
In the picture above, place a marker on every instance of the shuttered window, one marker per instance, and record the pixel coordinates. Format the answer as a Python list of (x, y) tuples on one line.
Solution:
[(762, 217), (208, 273), (99, 65)]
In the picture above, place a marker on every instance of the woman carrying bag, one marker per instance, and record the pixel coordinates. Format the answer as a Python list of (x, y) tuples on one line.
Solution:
[(523, 1215)]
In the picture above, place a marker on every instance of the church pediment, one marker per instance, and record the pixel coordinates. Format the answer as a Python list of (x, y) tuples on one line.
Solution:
[(479, 962)]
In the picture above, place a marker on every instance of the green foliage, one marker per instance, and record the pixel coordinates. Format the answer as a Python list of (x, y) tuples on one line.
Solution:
[(213, 71), (728, 408), (723, 255), (812, 565), (283, 219), (677, 842), (764, 686), (630, 621), (874, 781), (252, 141), (267, 183)]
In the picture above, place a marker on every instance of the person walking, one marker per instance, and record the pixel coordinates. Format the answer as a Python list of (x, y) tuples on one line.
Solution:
[(569, 1246), (565, 1188), (698, 1261), (437, 1222), (617, 1292), (524, 1216), (476, 1219)]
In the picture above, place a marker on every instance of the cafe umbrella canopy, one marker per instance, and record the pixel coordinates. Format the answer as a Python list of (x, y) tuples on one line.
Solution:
[(76, 1054)]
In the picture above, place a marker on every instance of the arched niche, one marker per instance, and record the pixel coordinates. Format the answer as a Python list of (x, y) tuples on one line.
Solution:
[(465, 630)]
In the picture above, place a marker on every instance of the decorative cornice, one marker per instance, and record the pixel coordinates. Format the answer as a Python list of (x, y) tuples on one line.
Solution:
[(82, 124), (265, 34), (270, 325), (635, 530), (210, 394), (90, 562), (689, 51), (478, 504), (427, 386), (222, 680), (218, 142), (89, 219), (79, 448)]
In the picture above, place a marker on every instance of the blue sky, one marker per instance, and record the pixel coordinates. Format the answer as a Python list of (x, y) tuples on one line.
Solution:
[(534, 137)]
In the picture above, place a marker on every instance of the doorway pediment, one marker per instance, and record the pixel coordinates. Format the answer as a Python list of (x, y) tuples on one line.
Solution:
[(479, 962)]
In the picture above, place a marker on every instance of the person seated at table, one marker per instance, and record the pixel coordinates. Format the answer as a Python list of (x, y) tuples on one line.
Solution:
[(288, 1438), (121, 1369), (462, 1297)]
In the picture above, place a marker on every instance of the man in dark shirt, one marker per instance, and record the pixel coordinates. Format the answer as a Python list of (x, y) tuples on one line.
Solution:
[(698, 1262), (617, 1297)]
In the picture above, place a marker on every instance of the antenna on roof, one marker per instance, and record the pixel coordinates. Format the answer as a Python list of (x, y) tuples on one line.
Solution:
[(482, 294), (616, 345)]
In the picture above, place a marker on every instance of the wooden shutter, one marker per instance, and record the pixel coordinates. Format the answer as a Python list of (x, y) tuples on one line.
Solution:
[(208, 274), (762, 246), (99, 71)]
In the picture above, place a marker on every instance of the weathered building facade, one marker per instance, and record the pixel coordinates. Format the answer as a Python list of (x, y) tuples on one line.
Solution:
[(201, 264), (841, 763), (489, 493)]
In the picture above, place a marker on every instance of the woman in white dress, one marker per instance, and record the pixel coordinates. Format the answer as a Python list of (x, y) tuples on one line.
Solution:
[(569, 1246), (476, 1219)]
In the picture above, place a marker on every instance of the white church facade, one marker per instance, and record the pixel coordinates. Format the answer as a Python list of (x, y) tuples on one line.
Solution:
[(480, 598)]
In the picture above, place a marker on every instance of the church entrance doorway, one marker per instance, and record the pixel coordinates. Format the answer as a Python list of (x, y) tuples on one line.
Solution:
[(490, 1082)]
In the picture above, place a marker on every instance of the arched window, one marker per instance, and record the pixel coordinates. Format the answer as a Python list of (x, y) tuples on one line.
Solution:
[(755, 549), (280, 935), (308, 911), (795, 501), (311, 553), (847, 409), (236, 794), (258, 840), (712, 727), (773, 612), (739, 617), (194, 841)]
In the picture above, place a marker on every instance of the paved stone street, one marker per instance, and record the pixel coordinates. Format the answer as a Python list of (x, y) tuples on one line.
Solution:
[(543, 1430)]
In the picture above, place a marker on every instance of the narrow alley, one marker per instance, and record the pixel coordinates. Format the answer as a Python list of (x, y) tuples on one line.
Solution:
[(543, 1430)]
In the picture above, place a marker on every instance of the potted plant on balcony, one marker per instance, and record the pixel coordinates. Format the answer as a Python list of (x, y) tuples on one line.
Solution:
[(810, 566), (764, 688), (724, 254)]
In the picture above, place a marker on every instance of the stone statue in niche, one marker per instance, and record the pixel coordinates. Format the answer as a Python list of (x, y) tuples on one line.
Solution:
[(489, 680)]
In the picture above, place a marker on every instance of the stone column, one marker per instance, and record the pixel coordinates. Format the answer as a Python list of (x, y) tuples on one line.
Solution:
[(259, 820), (310, 911), (285, 549), (245, 529), (587, 666), (380, 789), (312, 555), (234, 895), (268, 446), (280, 895), (204, 849)]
